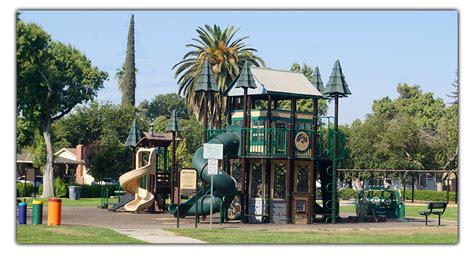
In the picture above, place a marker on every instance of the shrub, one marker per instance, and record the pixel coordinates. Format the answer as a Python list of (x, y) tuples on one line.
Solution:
[(60, 188), (87, 191), (347, 193), (22, 191), (429, 195), (93, 191)]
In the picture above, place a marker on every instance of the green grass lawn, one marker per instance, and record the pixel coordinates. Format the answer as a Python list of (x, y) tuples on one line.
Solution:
[(42, 234), (352, 236), (412, 211), (68, 202)]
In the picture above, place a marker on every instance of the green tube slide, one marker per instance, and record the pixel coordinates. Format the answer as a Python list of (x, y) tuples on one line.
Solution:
[(224, 185)]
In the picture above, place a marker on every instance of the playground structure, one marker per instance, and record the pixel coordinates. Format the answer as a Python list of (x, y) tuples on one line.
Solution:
[(134, 182), (149, 184), (273, 157), (376, 203), (224, 185), (280, 154)]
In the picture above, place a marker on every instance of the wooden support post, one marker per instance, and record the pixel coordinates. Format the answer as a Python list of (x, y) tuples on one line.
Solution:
[(173, 172), (205, 118), (291, 135), (243, 143), (268, 164), (314, 158), (335, 175), (229, 108)]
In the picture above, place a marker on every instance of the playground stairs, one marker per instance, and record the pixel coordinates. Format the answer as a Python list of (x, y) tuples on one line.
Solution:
[(123, 200)]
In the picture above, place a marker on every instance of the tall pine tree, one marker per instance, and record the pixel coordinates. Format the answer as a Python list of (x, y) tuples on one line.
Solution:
[(127, 82)]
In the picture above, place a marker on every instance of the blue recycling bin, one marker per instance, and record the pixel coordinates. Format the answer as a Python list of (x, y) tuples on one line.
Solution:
[(22, 213)]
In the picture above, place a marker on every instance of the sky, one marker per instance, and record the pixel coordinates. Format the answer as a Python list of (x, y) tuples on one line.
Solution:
[(377, 49)]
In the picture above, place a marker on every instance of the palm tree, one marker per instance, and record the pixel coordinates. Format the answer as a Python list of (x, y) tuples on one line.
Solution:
[(226, 55), (119, 72)]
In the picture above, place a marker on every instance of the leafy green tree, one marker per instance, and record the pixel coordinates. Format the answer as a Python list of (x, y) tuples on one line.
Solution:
[(108, 160), (102, 128), (163, 105), (455, 94), (306, 105), (190, 137), (226, 55), (52, 78), (413, 131), (24, 135), (127, 77), (104, 122)]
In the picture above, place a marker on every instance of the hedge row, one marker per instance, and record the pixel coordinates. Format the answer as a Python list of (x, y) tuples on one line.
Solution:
[(420, 195), (428, 195), (61, 190), (93, 191)]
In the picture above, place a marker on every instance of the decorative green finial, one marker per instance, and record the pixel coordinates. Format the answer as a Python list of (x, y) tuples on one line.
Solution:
[(173, 124), (206, 80), (245, 78), (317, 81), (337, 85), (133, 135)]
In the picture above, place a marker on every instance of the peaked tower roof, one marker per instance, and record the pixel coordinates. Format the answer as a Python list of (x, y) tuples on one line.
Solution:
[(337, 85)]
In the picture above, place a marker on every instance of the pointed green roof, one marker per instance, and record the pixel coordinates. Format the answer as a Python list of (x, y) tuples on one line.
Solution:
[(206, 80), (173, 124), (133, 135), (337, 85), (317, 81), (243, 80)]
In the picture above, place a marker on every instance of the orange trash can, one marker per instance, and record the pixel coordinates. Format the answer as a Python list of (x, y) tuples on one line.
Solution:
[(54, 212)]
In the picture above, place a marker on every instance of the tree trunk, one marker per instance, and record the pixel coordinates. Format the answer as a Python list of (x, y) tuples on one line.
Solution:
[(48, 190)]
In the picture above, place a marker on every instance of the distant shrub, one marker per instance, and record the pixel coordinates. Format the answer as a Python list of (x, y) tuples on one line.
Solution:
[(24, 191), (60, 188), (93, 191), (429, 195), (347, 193)]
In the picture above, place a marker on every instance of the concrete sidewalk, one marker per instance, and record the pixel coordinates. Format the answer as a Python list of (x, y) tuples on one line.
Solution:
[(158, 236)]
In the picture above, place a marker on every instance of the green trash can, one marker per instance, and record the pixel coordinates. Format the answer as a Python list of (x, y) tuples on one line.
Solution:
[(37, 217)]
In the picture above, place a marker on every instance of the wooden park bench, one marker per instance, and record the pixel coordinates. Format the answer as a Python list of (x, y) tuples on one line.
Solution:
[(435, 208)]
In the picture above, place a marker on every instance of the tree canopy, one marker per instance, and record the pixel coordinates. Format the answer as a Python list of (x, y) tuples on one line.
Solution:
[(127, 77), (52, 78), (226, 55), (413, 131)]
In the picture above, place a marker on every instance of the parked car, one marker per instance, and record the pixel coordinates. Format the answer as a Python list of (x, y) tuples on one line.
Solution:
[(39, 181), (105, 182)]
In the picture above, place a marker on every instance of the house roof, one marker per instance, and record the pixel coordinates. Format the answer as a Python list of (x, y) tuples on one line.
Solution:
[(27, 157), (71, 150), (278, 82)]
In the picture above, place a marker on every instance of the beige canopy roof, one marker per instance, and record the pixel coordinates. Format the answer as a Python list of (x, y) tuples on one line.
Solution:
[(278, 82)]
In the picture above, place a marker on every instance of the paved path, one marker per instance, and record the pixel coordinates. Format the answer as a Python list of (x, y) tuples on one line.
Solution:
[(158, 236)]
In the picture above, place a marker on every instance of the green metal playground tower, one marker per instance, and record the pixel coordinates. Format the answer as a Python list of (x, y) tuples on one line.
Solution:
[(286, 162)]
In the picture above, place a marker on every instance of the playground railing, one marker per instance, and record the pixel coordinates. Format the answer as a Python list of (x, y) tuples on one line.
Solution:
[(266, 141)]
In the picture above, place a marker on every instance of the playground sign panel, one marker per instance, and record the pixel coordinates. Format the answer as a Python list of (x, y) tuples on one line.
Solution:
[(213, 151), (187, 179), (212, 167)]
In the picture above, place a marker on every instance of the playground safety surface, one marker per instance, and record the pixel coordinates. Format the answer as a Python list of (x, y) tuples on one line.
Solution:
[(93, 216)]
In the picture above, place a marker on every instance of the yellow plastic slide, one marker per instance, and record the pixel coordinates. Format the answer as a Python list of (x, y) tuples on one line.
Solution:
[(130, 181)]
